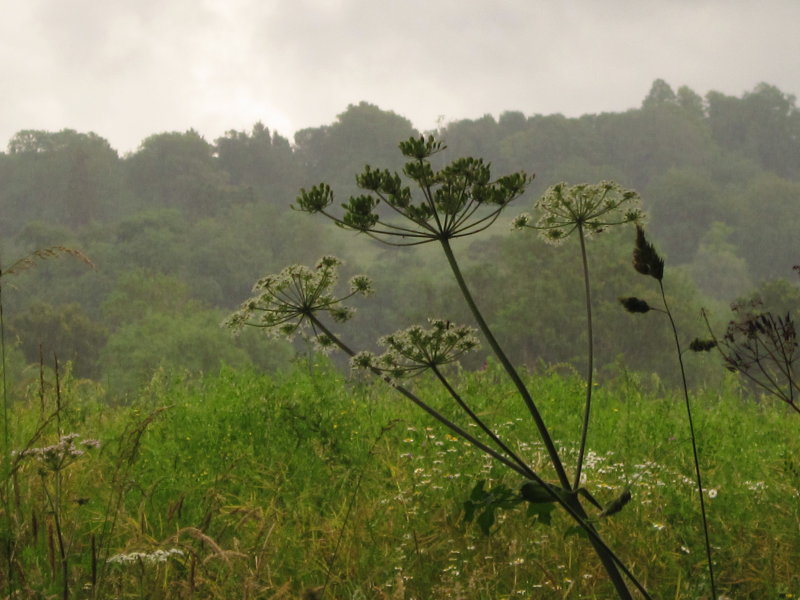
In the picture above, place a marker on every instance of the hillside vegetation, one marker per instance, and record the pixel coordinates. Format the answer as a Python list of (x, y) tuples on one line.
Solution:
[(180, 229), (564, 443), (247, 486)]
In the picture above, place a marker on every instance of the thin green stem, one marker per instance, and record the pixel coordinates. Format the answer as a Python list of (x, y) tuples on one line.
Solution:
[(350, 505), (477, 420), (544, 433), (698, 476), (55, 506), (6, 434), (610, 563), (590, 356)]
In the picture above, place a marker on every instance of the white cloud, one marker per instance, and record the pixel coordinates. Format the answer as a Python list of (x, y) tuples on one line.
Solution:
[(130, 69)]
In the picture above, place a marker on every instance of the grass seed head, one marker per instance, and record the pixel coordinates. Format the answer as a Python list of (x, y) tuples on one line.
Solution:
[(645, 258)]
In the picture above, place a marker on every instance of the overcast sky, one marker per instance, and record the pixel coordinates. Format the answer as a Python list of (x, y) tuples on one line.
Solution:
[(126, 69)]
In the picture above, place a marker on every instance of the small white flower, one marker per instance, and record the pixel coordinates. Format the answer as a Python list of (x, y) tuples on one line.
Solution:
[(151, 558)]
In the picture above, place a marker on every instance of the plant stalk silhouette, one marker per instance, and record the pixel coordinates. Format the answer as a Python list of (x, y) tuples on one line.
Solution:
[(458, 200)]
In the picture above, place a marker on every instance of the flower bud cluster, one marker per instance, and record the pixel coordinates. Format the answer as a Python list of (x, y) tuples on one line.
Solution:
[(446, 206), (416, 349), (149, 558), (285, 303), (588, 207), (645, 258), (57, 456)]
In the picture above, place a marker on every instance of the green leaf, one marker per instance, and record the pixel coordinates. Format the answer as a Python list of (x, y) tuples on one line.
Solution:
[(486, 520), (542, 512), (478, 492), (617, 504)]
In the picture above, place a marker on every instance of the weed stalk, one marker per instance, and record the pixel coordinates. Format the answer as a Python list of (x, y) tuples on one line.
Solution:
[(648, 262), (695, 454)]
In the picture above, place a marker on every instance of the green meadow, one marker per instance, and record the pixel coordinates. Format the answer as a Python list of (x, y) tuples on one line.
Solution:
[(310, 484)]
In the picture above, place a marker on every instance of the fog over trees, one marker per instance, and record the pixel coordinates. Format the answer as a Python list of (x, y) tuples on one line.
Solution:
[(179, 229)]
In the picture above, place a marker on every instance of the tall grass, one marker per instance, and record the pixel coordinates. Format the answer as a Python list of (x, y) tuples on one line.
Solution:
[(243, 485), (9, 463)]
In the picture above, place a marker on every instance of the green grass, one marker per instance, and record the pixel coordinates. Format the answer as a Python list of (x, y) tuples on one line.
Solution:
[(252, 477)]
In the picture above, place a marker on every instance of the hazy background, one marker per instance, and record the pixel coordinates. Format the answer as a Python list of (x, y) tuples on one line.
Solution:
[(128, 69)]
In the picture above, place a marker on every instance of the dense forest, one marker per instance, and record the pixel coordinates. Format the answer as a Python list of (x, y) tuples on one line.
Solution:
[(175, 233)]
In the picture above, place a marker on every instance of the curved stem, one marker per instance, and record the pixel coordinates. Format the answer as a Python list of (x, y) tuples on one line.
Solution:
[(698, 477), (478, 421), (590, 367), (544, 433), (610, 562)]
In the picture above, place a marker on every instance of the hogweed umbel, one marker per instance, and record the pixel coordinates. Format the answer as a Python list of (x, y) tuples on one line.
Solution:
[(449, 204), (285, 303), (585, 209), (588, 208), (416, 349)]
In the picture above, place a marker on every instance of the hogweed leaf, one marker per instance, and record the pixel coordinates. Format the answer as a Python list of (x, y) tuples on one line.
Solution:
[(617, 504)]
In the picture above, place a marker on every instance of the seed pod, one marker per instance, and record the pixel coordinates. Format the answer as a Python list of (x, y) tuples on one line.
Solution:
[(699, 345), (645, 258), (635, 305)]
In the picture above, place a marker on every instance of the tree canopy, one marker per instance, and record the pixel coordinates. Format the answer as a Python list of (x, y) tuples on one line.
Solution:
[(184, 224)]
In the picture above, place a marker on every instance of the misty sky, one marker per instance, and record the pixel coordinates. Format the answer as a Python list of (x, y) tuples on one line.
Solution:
[(126, 69)]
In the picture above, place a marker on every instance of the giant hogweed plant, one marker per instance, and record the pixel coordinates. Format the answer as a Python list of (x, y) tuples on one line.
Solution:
[(457, 200)]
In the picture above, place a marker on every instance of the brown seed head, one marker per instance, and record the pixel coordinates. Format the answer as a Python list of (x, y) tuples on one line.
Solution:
[(645, 258)]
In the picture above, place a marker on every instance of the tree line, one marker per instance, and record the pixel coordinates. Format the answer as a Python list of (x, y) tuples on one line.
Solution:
[(178, 229)]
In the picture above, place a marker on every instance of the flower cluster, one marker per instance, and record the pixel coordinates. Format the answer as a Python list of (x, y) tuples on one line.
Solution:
[(57, 456), (588, 207), (149, 558), (287, 303), (446, 207), (416, 349)]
